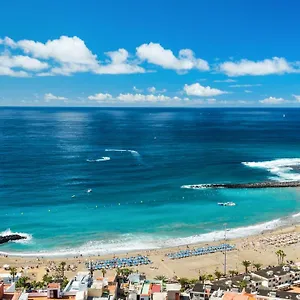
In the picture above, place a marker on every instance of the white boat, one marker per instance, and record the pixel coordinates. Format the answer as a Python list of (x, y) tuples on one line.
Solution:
[(89, 190), (73, 196), (226, 203)]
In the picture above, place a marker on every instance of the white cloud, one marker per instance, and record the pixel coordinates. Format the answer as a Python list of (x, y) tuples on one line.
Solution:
[(297, 97), (197, 89), (49, 97), (69, 55), (6, 71), (211, 100), (248, 91), (21, 61), (225, 80), (145, 98), (135, 89), (272, 100), (153, 90), (100, 97), (119, 64), (276, 65), (155, 54), (244, 85)]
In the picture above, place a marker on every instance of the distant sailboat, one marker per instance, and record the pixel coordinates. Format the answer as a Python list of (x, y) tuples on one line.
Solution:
[(283, 115)]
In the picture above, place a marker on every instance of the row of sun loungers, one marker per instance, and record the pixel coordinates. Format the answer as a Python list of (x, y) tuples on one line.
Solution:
[(121, 262), (199, 251)]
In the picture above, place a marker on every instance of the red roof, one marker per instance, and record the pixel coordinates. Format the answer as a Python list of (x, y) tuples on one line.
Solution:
[(156, 288)]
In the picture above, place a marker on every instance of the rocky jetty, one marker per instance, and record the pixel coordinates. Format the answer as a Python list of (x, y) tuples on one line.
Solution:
[(255, 185), (12, 237)]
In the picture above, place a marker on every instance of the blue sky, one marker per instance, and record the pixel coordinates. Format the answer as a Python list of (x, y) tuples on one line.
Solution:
[(150, 53)]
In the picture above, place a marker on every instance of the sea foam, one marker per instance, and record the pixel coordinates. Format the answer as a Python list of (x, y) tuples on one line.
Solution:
[(134, 242), (104, 158), (281, 168), (24, 241)]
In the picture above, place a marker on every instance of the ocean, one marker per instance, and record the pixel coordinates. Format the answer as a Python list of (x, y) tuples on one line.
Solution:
[(135, 161)]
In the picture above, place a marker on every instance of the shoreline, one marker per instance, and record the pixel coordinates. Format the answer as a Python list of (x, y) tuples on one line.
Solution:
[(253, 248), (203, 238)]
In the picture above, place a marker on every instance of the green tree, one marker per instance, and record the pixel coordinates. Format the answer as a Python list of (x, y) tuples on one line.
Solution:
[(280, 256), (257, 266), (62, 267), (47, 279), (13, 272), (243, 284), (246, 264), (184, 282), (232, 272), (210, 277), (161, 278), (202, 277), (103, 271), (218, 274), (23, 282)]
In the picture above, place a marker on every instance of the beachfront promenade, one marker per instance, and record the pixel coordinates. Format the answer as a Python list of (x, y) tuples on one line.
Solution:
[(199, 251)]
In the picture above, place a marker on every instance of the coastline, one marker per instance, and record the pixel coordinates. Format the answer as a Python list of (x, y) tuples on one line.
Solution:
[(247, 248)]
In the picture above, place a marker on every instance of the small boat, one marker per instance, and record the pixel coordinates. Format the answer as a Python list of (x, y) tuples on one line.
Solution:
[(226, 203), (73, 196), (283, 115), (89, 190)]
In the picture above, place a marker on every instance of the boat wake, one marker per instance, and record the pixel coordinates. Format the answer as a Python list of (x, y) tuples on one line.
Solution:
[(132, 152), (104, 158), (134, 242), (24, 241)]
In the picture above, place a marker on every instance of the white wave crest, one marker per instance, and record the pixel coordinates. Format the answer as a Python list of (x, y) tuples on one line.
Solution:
[(133, 242), (196, 186), (281, 168), (26, 235), (133, 152), (104, 158)]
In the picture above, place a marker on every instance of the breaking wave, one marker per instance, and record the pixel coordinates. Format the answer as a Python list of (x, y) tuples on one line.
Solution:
[(132, 242), (104, 158), (281, 169), (26, 235)]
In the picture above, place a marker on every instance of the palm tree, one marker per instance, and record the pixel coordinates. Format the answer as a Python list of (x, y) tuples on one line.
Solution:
[(280, 256), (62, 268), (243, 284), (202, 277), (210, 277), (103, 272), (23, 282), (257, 266), (13, 272), (161, 278), (246, 264), (231, 272), (218, 274), (47, 279), (184, 282)]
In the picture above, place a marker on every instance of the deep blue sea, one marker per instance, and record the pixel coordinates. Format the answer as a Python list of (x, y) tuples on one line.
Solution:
[(51, 157)]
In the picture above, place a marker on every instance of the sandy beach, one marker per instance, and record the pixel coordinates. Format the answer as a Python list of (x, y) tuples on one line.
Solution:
[(257, 249)]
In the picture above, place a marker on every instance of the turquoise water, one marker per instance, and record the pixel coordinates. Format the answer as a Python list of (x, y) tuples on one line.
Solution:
[(50, 154)]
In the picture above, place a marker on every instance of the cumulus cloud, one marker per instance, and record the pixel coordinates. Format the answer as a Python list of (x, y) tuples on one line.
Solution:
[(100, 97), (50, 96), (153, 90), (136, 98), (272, 100), (155, 54), (69, 55), (21, 61), (197, 89), (297, 97), (276, 65)]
